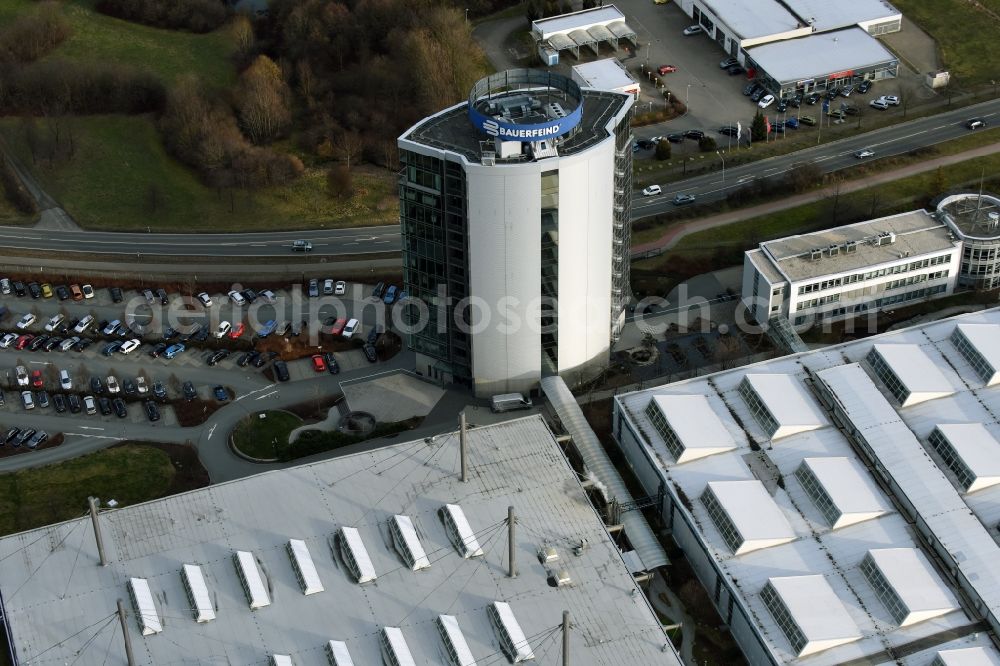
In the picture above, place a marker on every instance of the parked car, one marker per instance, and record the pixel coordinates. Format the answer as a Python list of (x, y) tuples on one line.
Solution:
[(116, 295), (26, 321), (129, 347), (112, 383), (74, 403), (864, 86), (85, 323), (158, 349), (281, 371), (37, 439), (237, 330), (89, 404), (694, 134), (28, 399), (76, 291), (189, 391), (8, 340), (390, 295), (223, 329), (152, 411), (23, 341), (162, 295), (205, 299), (331, 363), (879, 104), (38, 342), (141, 386), (65, 381), (59, 402), (766, 101), (370, 353), (247, 358), (218, 356), (675, 138), (666, 69), (112, 347), (173, 350), (69, 343), (267, 329), (46, 290), (692, 30), (313, 288), (728, 62), (337, 326), (735, 70), (220, 393), (160, 391), (104, 405), (19, 289), (729, 131), (340, 288), (261, 360), (88, 291), (318, 363), (249, 295), (121, 411), (237, 298), (96, 386), (377, 291), (35, 290), (807, 120)]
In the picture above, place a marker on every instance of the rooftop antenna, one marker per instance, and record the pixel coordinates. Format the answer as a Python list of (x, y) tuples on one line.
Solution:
[(511, 564), (565, 636), (129, 657), (92, 501), (462, 446)]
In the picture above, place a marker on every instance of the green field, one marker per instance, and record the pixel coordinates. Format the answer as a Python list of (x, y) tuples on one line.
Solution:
[(260, 438), (122, 178), (965, 33), (166, 53), (130, 474)]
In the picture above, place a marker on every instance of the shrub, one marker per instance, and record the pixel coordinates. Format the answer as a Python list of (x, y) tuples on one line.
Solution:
[(190, 15), (706, 144), (34, 34), (17, 194), (663, 150), (339, 182), (56, 87)]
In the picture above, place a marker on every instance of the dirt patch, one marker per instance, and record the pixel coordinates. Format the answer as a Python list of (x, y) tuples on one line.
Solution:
[(194, 412)]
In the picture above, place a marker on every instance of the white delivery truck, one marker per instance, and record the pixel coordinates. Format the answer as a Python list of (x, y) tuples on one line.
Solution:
[(509, 402)]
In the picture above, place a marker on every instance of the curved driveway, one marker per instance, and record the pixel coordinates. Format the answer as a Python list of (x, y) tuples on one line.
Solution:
[(893, 140)]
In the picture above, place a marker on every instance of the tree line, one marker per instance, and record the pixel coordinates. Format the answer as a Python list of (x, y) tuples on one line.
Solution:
[(189, 15)]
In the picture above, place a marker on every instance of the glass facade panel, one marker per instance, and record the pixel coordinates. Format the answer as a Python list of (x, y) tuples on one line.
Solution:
[(674, 445), (972, 355), (883, 590), (951, 459), (780, 613), (721, 519), (817, 493), (757, 408), (887, 376)]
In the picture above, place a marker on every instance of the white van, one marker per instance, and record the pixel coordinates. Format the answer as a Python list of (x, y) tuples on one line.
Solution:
[(351, 328), (509, 402)]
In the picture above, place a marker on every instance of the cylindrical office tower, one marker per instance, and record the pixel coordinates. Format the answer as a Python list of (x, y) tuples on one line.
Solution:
[(515, 208), (975, 219)]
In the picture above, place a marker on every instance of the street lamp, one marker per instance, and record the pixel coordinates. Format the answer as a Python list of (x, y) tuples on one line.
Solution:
[(688, 102), (723, 167), (466, 15)]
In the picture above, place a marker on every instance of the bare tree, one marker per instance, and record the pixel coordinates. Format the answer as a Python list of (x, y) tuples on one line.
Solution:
[(242, 30), (262, 99), (349, 144)]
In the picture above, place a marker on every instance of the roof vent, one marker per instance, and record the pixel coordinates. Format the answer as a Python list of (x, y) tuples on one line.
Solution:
[(815, 254), (994, 220), (850, 246), (548, 554), (834, 250), (560, 578)]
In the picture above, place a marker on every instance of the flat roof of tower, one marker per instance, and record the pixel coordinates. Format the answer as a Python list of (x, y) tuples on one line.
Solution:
[(61, 605), (450, 130)]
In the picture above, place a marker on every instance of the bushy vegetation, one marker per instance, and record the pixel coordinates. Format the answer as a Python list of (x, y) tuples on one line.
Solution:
[(56, 87), (190, 15), (34, 34)]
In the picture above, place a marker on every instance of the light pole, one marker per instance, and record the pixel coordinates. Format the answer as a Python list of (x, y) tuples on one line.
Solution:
[(723, 168), (467, 16), (688, 102)]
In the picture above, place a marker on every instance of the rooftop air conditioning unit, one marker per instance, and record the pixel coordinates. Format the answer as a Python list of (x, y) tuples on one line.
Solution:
[(851, 246), (834, 250), (815, 254)]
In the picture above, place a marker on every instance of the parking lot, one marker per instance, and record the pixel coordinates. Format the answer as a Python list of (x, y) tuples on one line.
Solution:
[(211, 369)]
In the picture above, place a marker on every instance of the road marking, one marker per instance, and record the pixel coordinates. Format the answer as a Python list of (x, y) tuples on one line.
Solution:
[(212, 430), (83, 434), (247, 395), (91, 428), (261, 397), (38, 363)]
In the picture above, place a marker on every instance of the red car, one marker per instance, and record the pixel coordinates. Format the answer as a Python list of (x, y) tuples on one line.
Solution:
[(666, 69), (319, 364), (237, 330), (23, 341), (338, 327), (36, 378)]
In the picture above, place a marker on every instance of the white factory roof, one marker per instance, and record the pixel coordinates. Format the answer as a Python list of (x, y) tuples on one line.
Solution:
[(919, 375), (849, 488), (452, 634), (145, 608), (203, 609), (581, 20), (755, 18), (411, 548), (303, 563), (339, 653), (788, 402), (753, 513), (816, 610), (696, 425), (918, 587), (977, 449), (825, 15), (972, 656), (873, 433), (605, 74), (985, 339), (820, 54), (52, 595)]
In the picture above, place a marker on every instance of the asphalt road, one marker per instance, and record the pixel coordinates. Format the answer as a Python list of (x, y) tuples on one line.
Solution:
[(830, 157)]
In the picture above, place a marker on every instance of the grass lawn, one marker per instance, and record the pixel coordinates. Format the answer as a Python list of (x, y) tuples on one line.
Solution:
[(120, 162), (10, 216), (167, 53), (965, 52), (129, 473), (256, 437)]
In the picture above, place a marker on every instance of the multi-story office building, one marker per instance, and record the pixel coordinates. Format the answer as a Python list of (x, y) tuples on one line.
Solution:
[(975, 220), (514, 208), (851, 270)]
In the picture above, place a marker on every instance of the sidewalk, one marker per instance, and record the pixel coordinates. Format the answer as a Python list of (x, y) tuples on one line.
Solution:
[(675, 233)]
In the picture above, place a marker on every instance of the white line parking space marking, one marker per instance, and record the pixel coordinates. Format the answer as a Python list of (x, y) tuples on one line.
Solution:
[(211, 430)]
